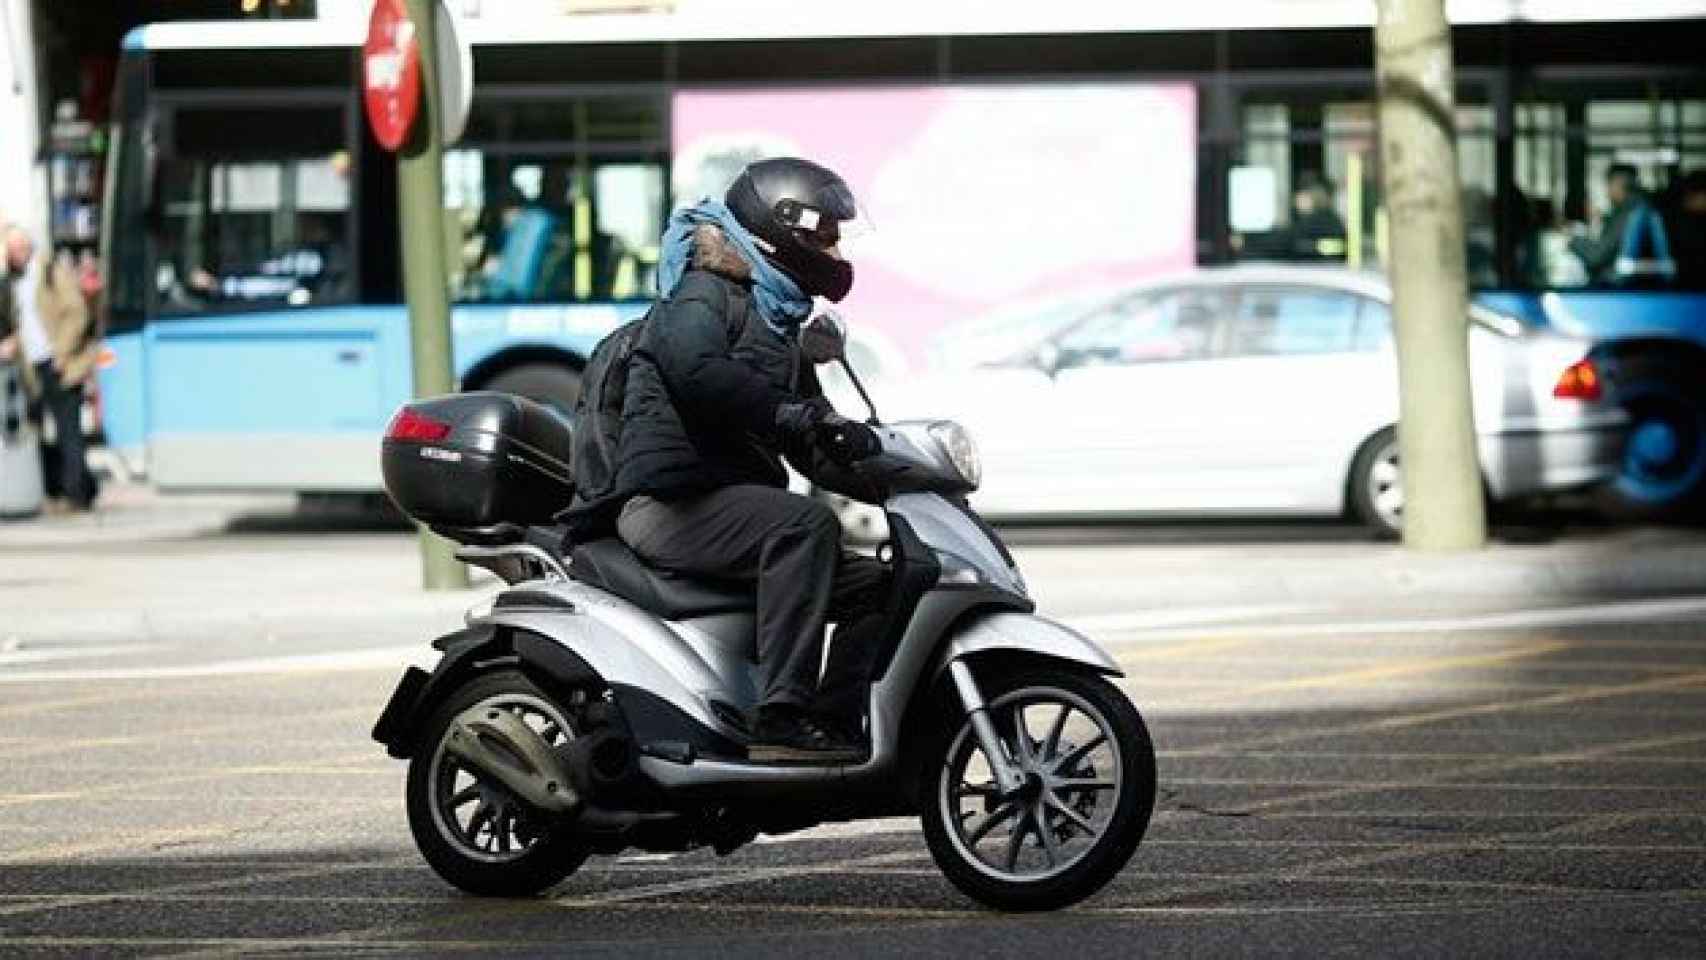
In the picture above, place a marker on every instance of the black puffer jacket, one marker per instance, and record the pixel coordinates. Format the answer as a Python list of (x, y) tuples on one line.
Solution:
[(705, 381)]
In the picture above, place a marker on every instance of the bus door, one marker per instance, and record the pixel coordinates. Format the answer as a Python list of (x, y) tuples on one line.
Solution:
[(263, 371)]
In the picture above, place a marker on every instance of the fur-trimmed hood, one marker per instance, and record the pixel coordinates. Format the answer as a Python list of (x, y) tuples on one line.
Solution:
[(712, 251)]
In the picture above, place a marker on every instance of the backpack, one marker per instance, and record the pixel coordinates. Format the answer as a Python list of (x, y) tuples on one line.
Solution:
[(598, 422), (598, 425)]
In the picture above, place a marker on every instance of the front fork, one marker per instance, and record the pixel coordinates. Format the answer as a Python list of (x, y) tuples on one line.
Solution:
[(1008, 779)]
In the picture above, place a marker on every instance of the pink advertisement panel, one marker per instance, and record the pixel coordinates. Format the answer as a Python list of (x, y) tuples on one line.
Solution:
[(991, 206)]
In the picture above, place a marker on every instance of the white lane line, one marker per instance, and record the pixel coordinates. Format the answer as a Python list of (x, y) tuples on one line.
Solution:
[(1152, 619), (27, 654), (755, 875), (419, 654), (367, 659), (848, 831), (1633, 611), (1137, 626)]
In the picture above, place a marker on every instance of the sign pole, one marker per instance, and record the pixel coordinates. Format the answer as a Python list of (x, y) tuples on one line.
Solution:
[(426, 284)]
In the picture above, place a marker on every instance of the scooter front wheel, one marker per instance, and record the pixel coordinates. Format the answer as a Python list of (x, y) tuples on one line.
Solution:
[(1089, 788), (475, 832)]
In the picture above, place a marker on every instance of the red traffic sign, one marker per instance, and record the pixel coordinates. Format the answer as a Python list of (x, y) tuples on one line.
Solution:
[(391, 73)]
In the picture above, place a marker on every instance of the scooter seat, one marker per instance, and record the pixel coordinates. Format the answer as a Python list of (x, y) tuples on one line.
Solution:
[(609, 565)]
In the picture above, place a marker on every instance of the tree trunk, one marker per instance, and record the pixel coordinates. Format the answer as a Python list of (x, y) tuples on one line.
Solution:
[(1443, 505)]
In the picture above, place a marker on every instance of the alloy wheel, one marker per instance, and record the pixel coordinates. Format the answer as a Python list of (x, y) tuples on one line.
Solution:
[(1072, 779)]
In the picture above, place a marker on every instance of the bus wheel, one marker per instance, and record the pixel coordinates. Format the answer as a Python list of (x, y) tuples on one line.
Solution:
[(549, 383), (1664, 460)]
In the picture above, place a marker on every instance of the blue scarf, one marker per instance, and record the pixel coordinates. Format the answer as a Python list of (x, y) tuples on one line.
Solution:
[(780, 301)]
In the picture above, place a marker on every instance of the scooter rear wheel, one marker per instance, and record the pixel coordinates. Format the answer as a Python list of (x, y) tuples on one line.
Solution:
[(1089, 770), (474, 832)]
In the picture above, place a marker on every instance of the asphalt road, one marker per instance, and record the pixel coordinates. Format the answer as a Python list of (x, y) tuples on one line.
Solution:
[(1496, 776)]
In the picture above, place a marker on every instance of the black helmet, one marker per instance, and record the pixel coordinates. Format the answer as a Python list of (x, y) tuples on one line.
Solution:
[(795, 208)]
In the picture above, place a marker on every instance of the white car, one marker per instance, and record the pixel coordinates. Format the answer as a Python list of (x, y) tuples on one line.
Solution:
[(1256, 391)]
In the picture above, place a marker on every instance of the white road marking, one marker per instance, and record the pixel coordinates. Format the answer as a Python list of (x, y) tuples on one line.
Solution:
[(848, 831), (1633, 611), (735, 878), (1130, 627), (23, 653), (368, 659), (1122, 621)]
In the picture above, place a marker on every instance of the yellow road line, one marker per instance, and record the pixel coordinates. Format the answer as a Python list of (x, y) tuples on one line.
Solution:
[(1678, 682), (1402, 852), (1134, 654), (138, 841), (1430, 784), (245, 728), (111, 787), (1350, 678)]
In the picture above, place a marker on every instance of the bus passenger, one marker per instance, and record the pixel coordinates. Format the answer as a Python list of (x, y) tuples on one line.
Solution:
[(1631, 246), (1688, 230), (1316, 231), (314, 269), (1548, 262)]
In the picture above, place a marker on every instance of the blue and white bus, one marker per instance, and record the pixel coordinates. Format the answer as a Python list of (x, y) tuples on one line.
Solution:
[(257, 338)]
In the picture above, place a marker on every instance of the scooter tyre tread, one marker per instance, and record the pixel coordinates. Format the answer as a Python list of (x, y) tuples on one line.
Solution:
[(550, 861)]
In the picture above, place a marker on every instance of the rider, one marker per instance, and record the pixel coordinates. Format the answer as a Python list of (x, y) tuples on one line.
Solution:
[(717, 394)]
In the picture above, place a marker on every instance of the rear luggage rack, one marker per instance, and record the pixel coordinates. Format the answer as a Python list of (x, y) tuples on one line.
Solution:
[(513, 552)]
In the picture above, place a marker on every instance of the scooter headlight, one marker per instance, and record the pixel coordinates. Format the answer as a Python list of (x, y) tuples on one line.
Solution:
[(961, 450)]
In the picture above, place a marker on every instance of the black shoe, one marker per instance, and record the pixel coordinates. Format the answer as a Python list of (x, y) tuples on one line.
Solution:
[(788, 734), (848, 730)]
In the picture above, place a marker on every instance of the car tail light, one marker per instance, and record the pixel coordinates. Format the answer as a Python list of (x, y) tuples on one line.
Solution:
[(1580, 381), (412, 426)]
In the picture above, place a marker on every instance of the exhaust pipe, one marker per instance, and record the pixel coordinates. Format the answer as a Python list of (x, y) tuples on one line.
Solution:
[(502, 746), (600, 763)]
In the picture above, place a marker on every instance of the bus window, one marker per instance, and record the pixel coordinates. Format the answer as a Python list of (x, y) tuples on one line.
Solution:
[(1611, 186), (1304, 184), (556, 202), (129, 184), (257, 214)]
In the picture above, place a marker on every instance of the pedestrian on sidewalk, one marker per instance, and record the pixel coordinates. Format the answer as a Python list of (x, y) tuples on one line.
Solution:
[(44, 326)]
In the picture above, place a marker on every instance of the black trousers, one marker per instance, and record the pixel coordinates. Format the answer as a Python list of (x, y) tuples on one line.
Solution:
[(67, 473), (791, 545)]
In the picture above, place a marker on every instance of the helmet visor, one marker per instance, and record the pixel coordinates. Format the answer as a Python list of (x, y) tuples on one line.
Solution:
[(835, 218)]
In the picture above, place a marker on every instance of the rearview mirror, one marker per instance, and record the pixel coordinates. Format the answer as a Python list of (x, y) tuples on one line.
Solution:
[(824, 338)]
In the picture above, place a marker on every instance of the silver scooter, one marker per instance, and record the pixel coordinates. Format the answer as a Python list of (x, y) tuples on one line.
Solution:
[(598, 704)]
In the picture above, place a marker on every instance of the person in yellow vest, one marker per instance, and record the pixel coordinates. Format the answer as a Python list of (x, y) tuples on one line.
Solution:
[(45, 329)]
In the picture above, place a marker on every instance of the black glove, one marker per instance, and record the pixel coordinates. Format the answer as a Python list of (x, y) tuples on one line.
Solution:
[(846, 441), (798, 419)]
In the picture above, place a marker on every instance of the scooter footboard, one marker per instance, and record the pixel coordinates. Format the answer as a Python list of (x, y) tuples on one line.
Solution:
[(1013, 632)]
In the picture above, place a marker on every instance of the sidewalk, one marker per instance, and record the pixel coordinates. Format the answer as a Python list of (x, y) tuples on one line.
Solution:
[(135, 513), (147, 565), (1633, 562)]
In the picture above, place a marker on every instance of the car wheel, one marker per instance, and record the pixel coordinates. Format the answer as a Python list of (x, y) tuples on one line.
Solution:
[(553, 384), (1376, 485)]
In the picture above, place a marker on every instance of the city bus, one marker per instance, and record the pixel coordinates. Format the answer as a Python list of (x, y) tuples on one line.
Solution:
[(1031, 156)]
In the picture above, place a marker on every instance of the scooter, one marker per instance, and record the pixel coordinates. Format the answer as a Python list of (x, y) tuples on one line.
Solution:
[(598, 704)]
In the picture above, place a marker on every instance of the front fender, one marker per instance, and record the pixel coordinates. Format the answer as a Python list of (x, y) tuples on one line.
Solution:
[(1011, 632)]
